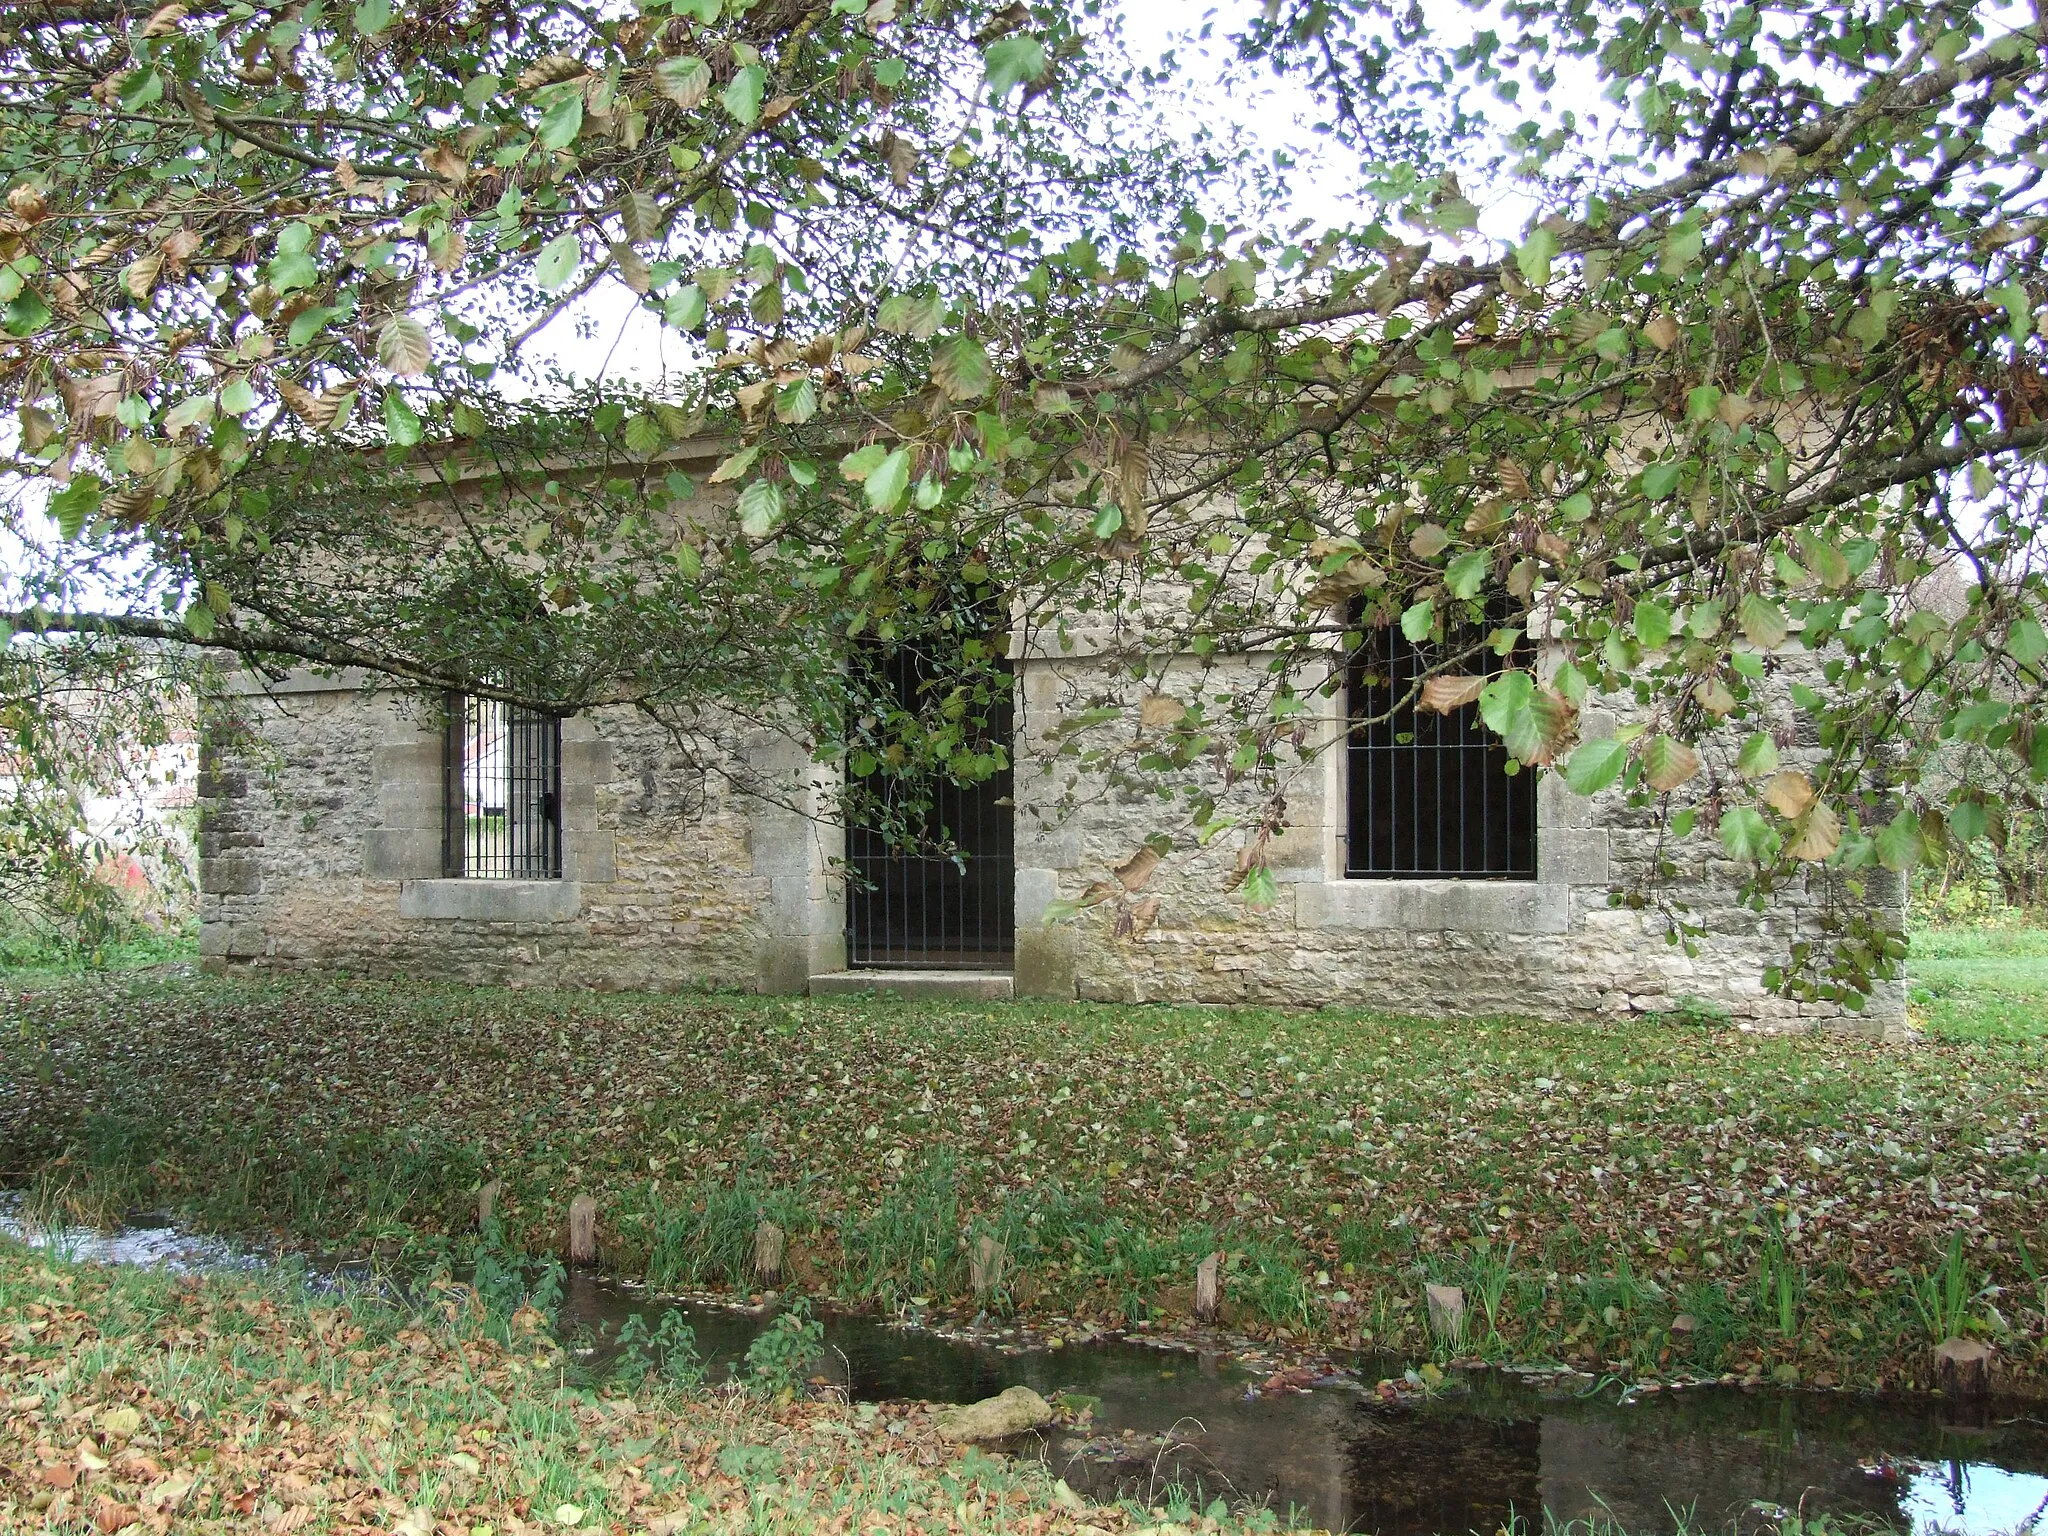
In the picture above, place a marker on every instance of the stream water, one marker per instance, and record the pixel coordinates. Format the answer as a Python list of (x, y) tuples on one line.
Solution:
[(1492, 1445)]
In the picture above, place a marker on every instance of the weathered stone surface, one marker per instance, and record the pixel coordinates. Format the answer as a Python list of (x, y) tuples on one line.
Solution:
[(320, 850), (1016, 1411)]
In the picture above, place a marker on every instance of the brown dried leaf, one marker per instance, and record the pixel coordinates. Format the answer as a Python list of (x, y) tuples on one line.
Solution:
[(141, 274), (1662, 333), (1135, 871), (1514, 480), (556, 66), (447, 162), (1158, 711), (1789, 793), (1668, 763), (163, 21), (1429, 541), (1819, 835), (1449, 691)]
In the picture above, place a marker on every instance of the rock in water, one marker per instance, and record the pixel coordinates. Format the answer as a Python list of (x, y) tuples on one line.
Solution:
[(995, 1418)]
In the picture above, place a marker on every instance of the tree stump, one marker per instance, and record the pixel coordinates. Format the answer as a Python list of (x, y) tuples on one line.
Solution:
[(768, 1243), (583, 1230), (1208, 1286), (1962, 1367), (487, 1203), (985, 1267), (1446, 1311)]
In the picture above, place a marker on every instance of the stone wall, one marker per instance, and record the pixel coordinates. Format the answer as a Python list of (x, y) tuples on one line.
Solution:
[(1555, 946), (321, 843)]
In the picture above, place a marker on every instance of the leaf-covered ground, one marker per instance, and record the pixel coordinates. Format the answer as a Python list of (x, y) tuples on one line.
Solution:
[(1790, 1198), (145, 1402)]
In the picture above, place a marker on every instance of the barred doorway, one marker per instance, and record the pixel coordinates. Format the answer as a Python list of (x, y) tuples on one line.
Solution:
[(931, 863)]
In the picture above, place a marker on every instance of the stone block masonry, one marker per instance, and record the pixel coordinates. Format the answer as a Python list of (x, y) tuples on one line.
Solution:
[(321, 848)]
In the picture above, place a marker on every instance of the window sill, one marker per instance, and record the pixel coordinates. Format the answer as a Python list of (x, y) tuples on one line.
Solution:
[(491, 901), (1436, 906)]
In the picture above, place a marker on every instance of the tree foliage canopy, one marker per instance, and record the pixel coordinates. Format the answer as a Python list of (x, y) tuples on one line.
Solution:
[(1748, 354)]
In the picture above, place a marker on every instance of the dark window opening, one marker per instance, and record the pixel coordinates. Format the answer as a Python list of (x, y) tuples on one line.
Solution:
[(502, 777), (931, 864), (1429, 794)]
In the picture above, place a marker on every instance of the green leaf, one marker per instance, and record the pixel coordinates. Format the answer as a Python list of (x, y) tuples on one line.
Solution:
[(1011, 62), (961, 368), (308, 323), (2025, 642), (26, 313), (888, 480), (685, 308), (1533, 256), (760, 508), (373, 16), (1575, 508), (401, 425), (1108, 518), (563, 119), (1261, 890), (199, 619), (143, 88), (912, 314), (644, 434), (742, 95), (1660, 480), (1759, 756), (1595, 765), (1653, 624), (1898, 845), (1762, 621), (558, 261), (1467, 573), (688, 561), (862, 462), (1683, 243), (1418, 620), (1506, 697), (1746, 835), (76, 504), (239, 398)]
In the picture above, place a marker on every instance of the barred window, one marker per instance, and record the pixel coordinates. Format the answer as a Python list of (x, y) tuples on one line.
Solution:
[(503, 792), (1429, 794)]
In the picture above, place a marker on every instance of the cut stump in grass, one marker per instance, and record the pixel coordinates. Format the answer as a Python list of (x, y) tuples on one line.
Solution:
[(1962, 1367), (583, 1230), (768, 1246), (1208, 1284), (985, 1267), (487, 1203), (1446, 1311)]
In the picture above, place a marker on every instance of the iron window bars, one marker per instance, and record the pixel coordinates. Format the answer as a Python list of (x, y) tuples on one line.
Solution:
[(502, 792), (1429, 794)]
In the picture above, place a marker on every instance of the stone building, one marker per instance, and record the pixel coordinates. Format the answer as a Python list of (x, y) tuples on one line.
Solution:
[(361, 828)]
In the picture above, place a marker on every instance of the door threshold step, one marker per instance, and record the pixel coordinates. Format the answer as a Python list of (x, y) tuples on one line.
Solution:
[(961, 986)]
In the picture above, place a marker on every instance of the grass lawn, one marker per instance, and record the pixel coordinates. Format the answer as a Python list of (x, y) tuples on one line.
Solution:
[(1817, 1207), (239, 1403), (1983, 983)]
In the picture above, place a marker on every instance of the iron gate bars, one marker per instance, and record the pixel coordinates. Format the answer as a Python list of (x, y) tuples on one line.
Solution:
[(931, 863), (502, 778)]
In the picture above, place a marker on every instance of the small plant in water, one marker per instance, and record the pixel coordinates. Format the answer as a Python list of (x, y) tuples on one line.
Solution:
[(669, 1347), (781, 1358), (506, 1279)]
